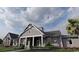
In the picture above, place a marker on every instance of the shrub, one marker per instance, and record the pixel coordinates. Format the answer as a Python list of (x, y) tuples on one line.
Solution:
[(22, 46), (48, 45)]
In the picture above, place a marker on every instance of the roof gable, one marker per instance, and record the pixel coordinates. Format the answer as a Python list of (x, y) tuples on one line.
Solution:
[(30, 26), (11, 35)]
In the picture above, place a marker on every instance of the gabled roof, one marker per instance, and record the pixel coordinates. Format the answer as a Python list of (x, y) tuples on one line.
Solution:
[(13, 36), (27, 27), (30, 26)]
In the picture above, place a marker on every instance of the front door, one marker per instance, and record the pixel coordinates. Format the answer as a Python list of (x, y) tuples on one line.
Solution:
[(37, 41)]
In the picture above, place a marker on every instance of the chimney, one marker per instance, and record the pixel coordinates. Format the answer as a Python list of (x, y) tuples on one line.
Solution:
[(41, 28)]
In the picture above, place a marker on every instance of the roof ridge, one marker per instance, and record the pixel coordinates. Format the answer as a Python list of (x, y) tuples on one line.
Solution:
[(12, 33)]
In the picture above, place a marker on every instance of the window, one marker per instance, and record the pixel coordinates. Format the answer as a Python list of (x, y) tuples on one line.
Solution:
[(70, 41), (8, 38)]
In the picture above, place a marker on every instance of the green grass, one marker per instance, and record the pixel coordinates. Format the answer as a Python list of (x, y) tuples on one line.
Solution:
[(5, 49), (53, 50), (42, 49)]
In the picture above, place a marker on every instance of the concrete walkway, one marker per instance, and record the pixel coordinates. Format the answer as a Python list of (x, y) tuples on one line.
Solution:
[(18, 50), (28, 50)]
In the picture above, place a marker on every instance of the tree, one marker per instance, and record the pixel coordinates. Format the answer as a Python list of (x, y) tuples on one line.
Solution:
[(73, 27)]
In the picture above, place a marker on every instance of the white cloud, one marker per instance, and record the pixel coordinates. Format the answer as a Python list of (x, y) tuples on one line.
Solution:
[(37, 16), (74, 12), (19, 17)]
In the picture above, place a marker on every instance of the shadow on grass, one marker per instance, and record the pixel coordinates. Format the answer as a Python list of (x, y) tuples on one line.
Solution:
[(54, 49)]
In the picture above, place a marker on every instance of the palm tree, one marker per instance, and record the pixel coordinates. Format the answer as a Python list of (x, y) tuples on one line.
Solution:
[(73, 27)]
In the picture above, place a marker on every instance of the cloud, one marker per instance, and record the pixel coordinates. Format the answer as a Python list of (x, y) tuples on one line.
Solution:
[(15, 19), (38, 16), (74, 12)]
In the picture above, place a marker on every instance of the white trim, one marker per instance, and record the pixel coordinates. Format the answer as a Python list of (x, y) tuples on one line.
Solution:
[(25, 42), (42, 41), (19, 41), (33, 42), (31, 36)]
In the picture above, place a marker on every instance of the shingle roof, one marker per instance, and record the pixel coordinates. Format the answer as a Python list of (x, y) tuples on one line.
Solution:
[(53, 33), (13, 36)]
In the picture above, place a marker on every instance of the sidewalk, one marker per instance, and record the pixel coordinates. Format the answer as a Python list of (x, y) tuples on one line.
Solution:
[(18, 50)]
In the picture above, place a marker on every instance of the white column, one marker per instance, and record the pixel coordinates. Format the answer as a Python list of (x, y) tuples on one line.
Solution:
[(33, 42), (13, 43), (19, 41), (42, 41), (39, 42), (25, 42)]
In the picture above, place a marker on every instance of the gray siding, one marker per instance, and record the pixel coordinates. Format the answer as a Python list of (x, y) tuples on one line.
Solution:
[(66, 43), (56, 41), (7, 40), (75, 43)]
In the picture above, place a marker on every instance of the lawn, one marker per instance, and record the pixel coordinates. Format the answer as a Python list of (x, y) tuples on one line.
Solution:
[(2, 49), (36, 49), (5, 49), (53, 50)]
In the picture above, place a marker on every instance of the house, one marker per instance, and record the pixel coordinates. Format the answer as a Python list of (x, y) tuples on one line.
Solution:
[(33, 36), (11, 39), (70, 41)]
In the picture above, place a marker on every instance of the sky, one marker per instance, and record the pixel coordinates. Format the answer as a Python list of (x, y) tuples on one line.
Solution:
[(16, 19)]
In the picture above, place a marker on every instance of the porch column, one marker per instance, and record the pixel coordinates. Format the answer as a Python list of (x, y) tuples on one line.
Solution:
[(19, 41), (13, 43), (42, 41), (25, 42), (39, 43), (61, 44), (33, 42)]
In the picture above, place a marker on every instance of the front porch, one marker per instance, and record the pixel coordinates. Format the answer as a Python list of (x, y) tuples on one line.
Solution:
[(32, 41)]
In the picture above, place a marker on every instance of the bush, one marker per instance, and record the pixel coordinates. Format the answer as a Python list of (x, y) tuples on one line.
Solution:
[(48, 45), (22, 46)]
